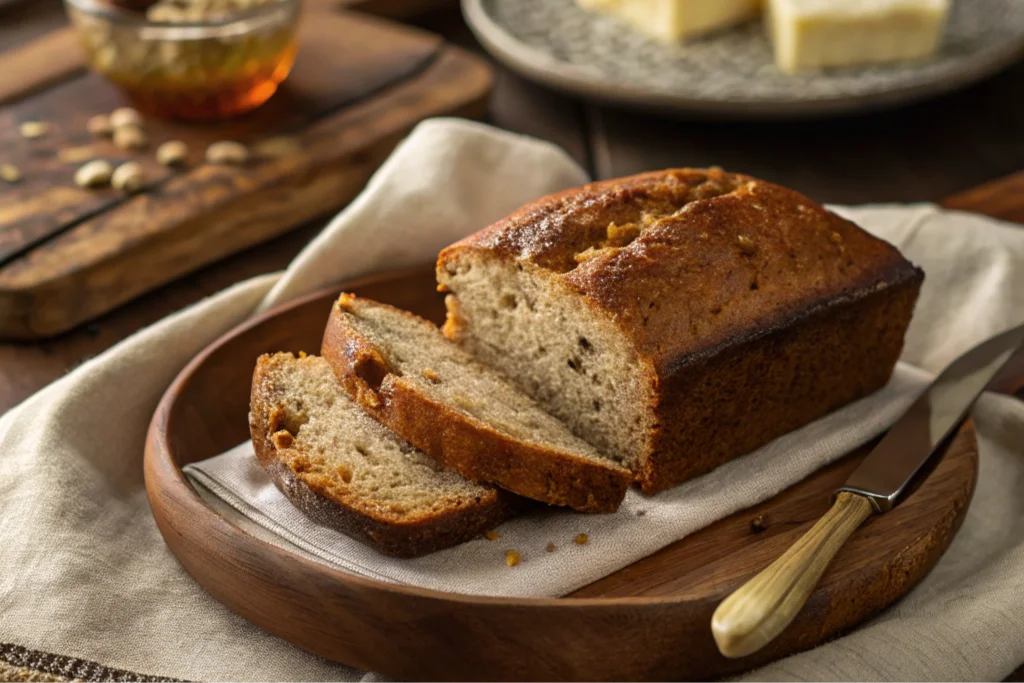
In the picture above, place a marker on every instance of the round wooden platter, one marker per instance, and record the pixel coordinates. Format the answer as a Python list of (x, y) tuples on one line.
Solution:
[(647, 621)]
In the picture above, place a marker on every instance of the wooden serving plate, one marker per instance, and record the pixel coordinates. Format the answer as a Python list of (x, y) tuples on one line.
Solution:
[(647, 621)]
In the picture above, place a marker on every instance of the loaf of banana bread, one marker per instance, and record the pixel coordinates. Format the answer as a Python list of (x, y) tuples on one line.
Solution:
[(681, 318)]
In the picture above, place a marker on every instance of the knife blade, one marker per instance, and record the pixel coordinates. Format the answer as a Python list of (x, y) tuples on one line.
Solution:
[(893, 465), (762, 608)]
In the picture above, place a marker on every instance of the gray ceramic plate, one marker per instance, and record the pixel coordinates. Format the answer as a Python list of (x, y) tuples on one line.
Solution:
[(730, 74)]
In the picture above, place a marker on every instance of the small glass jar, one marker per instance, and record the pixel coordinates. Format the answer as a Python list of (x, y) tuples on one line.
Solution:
[(207, 69)]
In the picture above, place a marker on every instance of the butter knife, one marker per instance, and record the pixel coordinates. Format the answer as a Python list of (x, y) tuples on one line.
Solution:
[(763, 607)]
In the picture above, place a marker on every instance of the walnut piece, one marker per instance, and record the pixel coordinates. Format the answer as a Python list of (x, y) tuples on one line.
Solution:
[(282, 439), (621, 235)]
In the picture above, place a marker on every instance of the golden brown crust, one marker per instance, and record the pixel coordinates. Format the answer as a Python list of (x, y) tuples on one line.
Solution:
[(459, 441), (714, 255), (702, 270), (409, 537)]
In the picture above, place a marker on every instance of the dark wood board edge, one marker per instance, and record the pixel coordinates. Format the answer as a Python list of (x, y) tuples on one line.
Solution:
[(1002, 198)]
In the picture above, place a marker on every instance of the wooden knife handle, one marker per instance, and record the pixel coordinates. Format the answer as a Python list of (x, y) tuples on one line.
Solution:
[(763, 607)]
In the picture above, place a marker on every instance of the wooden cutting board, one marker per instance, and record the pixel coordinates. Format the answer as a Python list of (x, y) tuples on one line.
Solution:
[(68, 254)]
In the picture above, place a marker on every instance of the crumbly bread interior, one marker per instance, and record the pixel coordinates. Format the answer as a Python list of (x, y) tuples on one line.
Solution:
[(517, 318), (327, 440), (416, 350)]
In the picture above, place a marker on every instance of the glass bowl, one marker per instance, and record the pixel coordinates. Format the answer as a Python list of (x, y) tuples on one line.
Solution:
[(196, 69)]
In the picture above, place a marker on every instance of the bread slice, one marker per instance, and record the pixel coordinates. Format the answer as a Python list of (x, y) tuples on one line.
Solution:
[(344, 470), (403, 371), (680, 318)]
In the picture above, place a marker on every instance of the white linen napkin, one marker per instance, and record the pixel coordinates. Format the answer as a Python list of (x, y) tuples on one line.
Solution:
[(84, 572), (642, 525)]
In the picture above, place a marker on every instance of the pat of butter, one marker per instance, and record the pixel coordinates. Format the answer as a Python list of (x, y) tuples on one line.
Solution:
[(813, 34), (671, 20)]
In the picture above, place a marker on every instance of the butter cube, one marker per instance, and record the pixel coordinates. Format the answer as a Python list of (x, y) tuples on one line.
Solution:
[(813, 34), (673, 20)]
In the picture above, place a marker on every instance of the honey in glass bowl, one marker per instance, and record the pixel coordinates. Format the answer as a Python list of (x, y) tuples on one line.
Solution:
[(191, 59)]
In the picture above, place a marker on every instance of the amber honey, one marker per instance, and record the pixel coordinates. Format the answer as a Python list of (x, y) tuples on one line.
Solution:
[(193, 71), (214, 95)]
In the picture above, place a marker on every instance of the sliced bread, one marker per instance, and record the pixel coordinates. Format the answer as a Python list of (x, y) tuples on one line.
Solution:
[(344, 470), (405, 373)]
